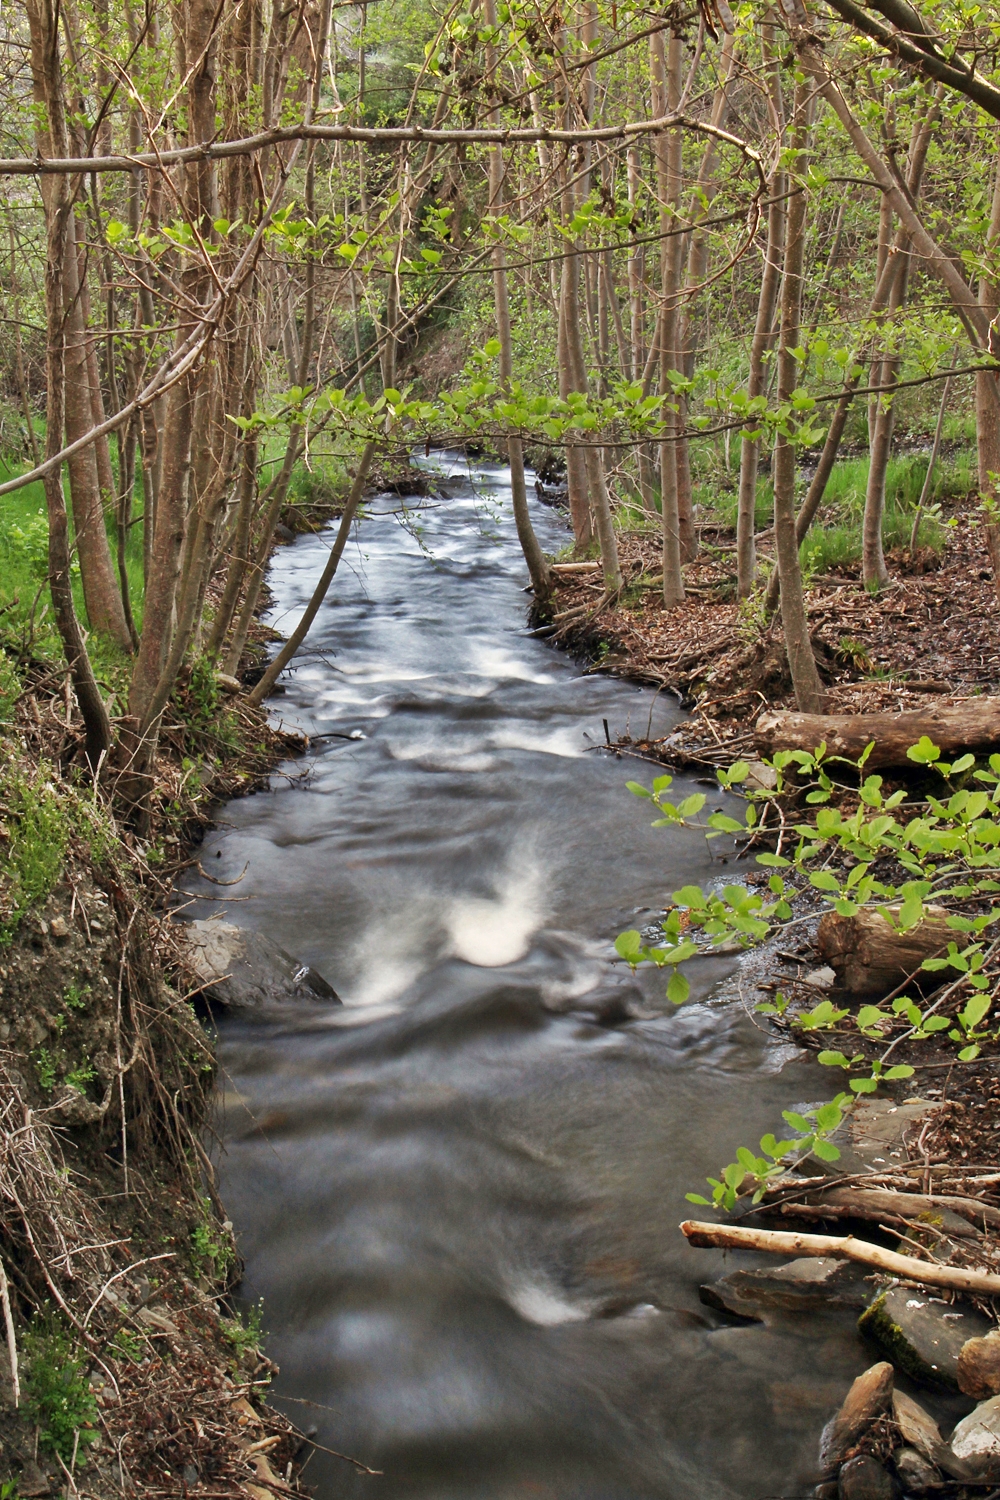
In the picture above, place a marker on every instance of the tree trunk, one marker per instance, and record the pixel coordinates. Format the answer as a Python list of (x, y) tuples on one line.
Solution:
[(58, 205), (301, 630), (666, 75), (973, 725), (801, 662), (870, 957), (988, 404), (538, 568)]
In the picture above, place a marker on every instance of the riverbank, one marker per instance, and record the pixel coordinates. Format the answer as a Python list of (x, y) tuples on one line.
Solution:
[(125, 1369), (931, 637)]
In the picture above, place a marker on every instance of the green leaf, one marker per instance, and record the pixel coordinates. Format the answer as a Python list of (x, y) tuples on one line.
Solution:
[(968, 1053), (901, 1070), (678, 989), (628, 945), (796, 1121), (824, 881), (691, 896), (637, 789), (864, 1085), (826, 1151), (833, 1060), (924, 752), (691, 805), (697, 1198), (725, 824), (829, 1116)]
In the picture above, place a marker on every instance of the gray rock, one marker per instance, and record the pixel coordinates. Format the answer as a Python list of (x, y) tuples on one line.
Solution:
[(916, 1474), (827, 1491), (868, 1398), (979, 1366), (242, 968), (801, 1284), (976, 1439), (917, 1427), (863, 1478), (876, 1133), (921, 1335)]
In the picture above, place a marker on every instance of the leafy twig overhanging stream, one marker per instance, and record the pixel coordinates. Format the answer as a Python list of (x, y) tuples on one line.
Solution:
[(945, 849)]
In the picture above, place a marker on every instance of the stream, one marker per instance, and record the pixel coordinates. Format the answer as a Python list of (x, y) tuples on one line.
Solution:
[(458, 1193)]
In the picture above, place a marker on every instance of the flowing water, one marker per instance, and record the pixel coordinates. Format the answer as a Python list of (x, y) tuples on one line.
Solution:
[(458, 1194)]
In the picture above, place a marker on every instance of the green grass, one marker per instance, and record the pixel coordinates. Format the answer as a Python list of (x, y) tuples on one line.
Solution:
[(836, 540), (26, 621)]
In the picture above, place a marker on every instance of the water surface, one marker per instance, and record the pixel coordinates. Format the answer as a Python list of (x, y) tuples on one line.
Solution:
[(459, 1193)]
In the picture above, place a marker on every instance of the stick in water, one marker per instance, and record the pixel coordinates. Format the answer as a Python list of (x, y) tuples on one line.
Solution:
[(841, 1247)]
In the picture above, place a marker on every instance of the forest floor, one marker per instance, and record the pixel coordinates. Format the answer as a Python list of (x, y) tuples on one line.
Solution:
[(933, 635)]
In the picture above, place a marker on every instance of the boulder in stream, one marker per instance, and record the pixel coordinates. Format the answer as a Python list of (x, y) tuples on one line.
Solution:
[(976, 1439), (240, 968), (868, 1399), (922, 1334), (864, 1478), (979, 1366), (807, 1284)]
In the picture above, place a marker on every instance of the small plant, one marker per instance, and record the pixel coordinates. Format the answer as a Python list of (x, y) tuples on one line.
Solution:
[(75, 997), (45, 1070), (57, 1397), (211, 1253), (127, 1345), (249, 1334), (78, 1078)]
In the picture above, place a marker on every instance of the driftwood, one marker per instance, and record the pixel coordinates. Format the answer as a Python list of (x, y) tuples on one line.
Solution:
[(971, 725), (869, 958), (841, 1247), (868, 1202)]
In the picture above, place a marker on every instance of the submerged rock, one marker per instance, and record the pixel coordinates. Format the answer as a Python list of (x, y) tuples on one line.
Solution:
[(868, 1398), (803, 1284), (922, 1336), (979, 1366), (864, 1478), (239, 967)]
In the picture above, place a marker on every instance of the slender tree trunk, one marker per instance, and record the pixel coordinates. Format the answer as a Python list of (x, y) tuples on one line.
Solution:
[(301, 630), (538, 568), (763, 338), (58, 204), (666, 95), (885, 369), (988, 403), (794, 620)]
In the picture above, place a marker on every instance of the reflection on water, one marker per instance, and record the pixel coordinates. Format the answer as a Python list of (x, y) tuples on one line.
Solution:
[(459, 1193)]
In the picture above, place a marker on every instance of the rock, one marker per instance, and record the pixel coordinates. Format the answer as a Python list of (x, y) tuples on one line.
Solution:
[(805, 1283), (916, 1474), (868, 1398), (922, 1336), (228, 684), (156, 1321), (979, 1366), (917, 1427), (863, 1478), (820, 979), (761, 778), (976, 1439), (828, 1491), (33, 1482), (59, 928), (879, 1133), (240, 967)]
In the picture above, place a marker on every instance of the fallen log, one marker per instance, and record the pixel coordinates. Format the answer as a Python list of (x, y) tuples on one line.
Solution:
[(870, 958), (877, 1204), (906, 1205), (971, 725), (841, 1247)]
